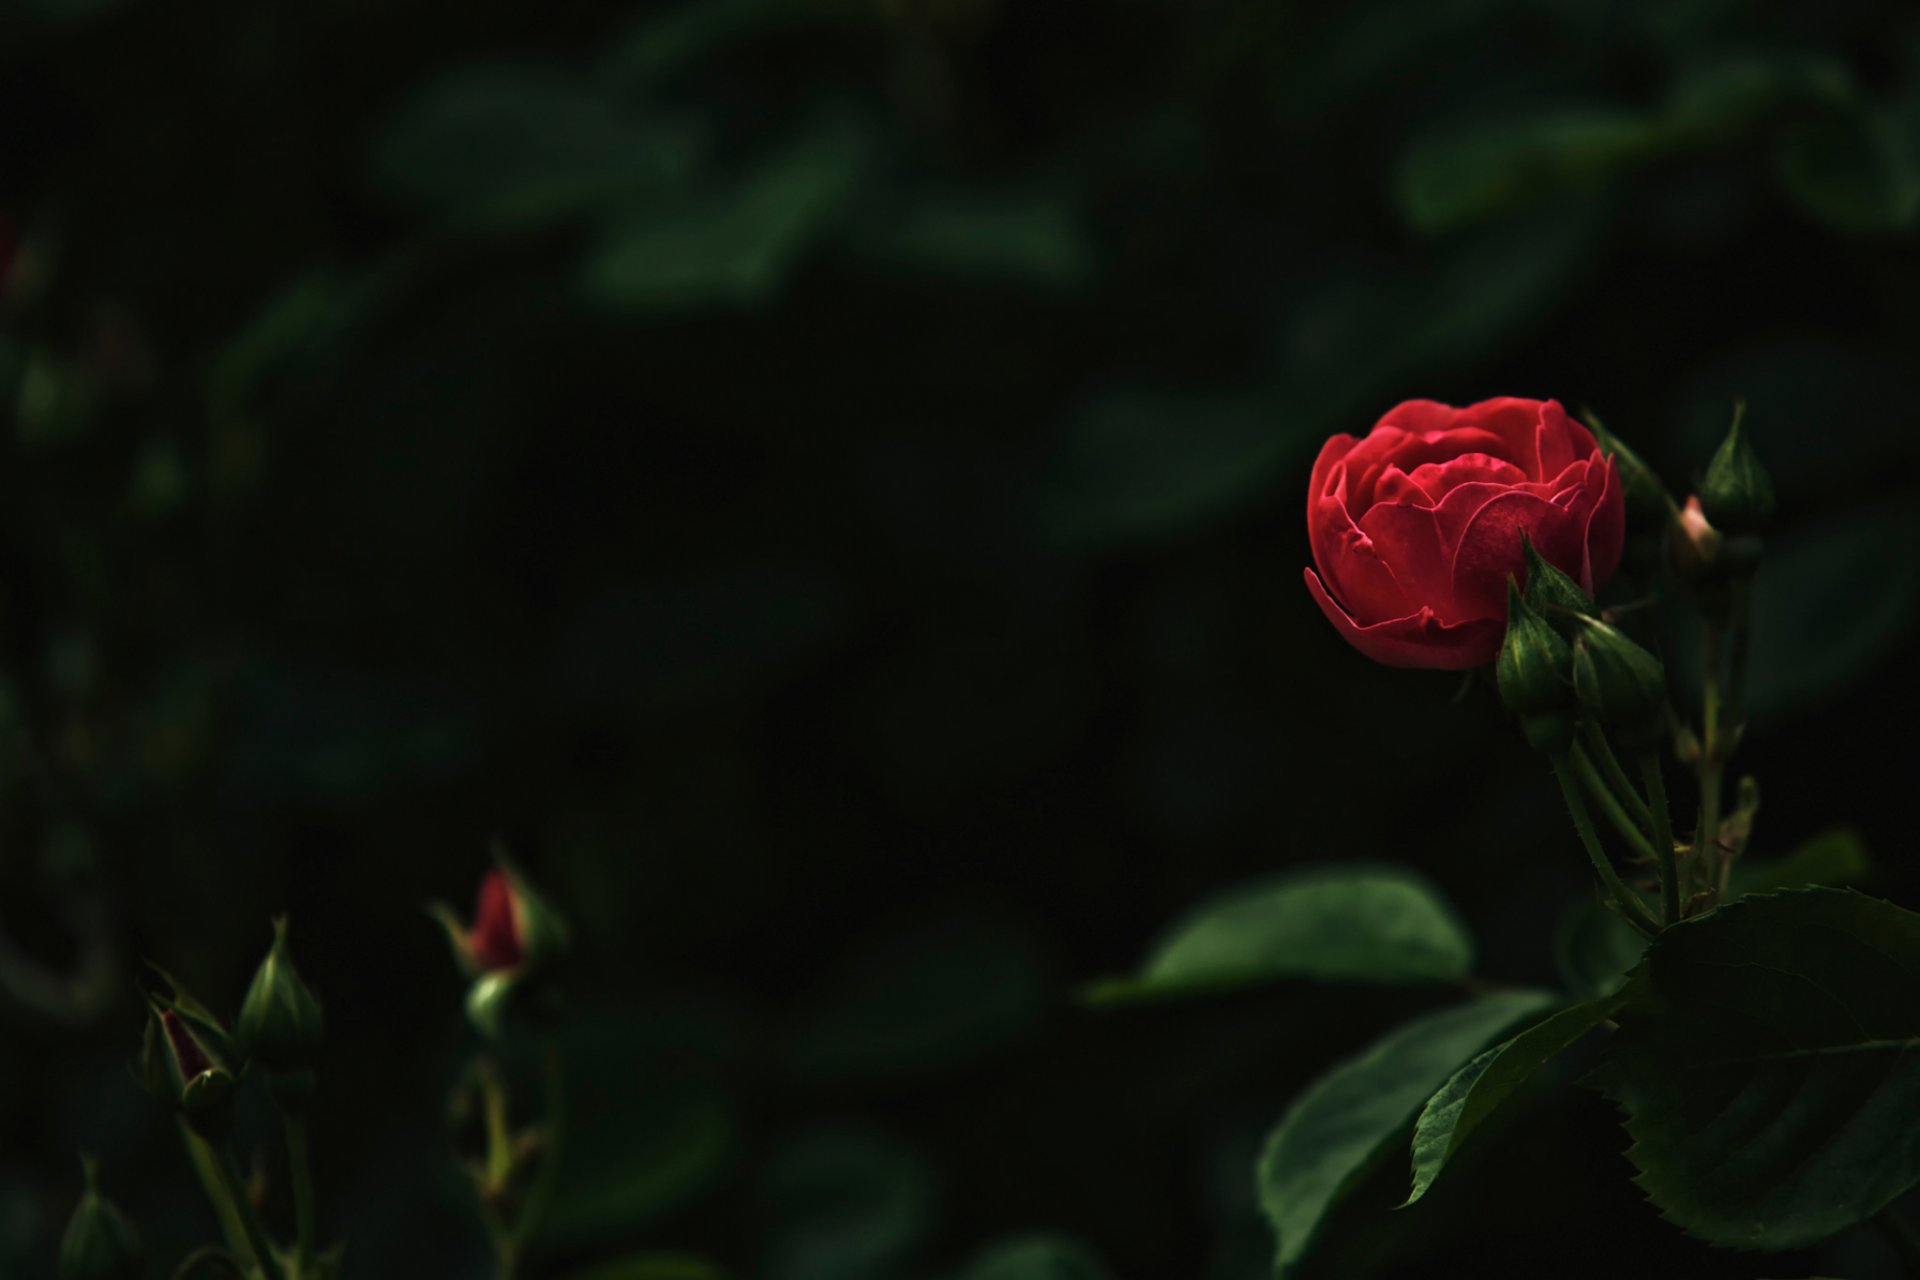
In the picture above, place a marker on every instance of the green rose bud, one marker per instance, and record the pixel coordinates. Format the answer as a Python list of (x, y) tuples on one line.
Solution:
[(1619, 683), (187, 1059), (1551, 593), (1533, 673), (1737, 494), (280, 1022), (100, 1243)]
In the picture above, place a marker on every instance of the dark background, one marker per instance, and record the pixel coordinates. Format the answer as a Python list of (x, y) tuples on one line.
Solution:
[(823, 481)]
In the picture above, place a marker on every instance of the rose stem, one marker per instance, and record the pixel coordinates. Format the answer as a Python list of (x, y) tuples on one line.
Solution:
[(1706, 840), (1629, 902), (207, 1166), (540, 1194), (300, 1165), (265, 1261), (1610, 805), (1662, 837), (1602, 753)]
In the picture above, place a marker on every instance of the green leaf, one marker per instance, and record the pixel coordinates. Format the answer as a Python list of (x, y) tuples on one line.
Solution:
[(1375, 924), (653, 1266), (1769, 1067), (1337, 1130), (1037, 1257), (1033, 238), (1478, 1089), (666, 44), (1472, 175), (519, 146), (1857, 171), (844, 1205), (1593, 950), (732, 247), (1835, 857)]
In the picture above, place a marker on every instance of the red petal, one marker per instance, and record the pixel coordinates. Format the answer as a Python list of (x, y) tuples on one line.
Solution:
[(1490, 548), (1606, 531), (1407, 539), (1420, 640), (1438, 479), (1352, 564), (495, 936)]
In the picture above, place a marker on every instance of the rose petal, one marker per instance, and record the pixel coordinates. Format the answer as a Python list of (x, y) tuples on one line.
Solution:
[(1389, 447), (1606, 530), (1490, 548), (1395, 485), (1352, 565), (1559, 441), (1331, 454), (1437, 479), (1419, 640), (1407, 537), (1516, 424)]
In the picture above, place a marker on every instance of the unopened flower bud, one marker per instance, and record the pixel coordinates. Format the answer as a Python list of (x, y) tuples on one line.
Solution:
[(1619, 683), (1737, 493), (280, 1025), (100, 1243), (513, 929), (1533, 673), (1551, 593), (1694, 544), (187, 1060)]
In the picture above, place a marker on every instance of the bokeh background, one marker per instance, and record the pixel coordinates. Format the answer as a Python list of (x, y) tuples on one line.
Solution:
[(822, 480)]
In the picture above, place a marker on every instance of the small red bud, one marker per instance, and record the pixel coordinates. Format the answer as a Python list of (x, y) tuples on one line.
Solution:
[(495, 938), (192, 1059)]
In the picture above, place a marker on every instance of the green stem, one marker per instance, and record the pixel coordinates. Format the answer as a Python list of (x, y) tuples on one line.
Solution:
[(259, 1244), (1602, 752), (1662, 837), (540, 1194), (1627, 900), (1739, 611), (1610, 805), (300, 1165), (1706, 840), (498, 1167), (206, 1166)]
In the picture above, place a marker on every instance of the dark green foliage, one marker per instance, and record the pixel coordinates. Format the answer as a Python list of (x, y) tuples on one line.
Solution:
[(1769, 1067)]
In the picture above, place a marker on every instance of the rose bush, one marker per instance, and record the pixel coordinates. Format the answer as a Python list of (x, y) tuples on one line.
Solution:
[(1415, 528)]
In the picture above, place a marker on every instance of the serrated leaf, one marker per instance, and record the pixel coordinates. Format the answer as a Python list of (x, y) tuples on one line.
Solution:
[(1350, 1117), (1476, 1091), (1835, 857), (1377, 924), (1771, 1072), (1037, 1257)]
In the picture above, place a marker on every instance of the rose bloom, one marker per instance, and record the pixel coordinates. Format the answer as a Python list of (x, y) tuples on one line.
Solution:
[(1415, 528)]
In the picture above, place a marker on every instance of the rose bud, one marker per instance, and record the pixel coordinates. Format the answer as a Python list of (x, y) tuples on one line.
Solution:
[(1694, 544), (1619, 683), (1416, 528), (1737, 493), (100, 1243), (1551, 593), (1534, 672), (513, 927), (280, 1025), (187, 1059)]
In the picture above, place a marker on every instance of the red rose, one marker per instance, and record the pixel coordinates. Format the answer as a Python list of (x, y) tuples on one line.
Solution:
[(496, 940), (1415, 528)]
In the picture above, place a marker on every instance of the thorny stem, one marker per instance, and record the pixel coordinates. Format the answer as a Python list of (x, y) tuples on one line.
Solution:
[(206, 1166), (1662, 837), (1629, 902), (540, 1194), (1610, 805), (1598, 747), (258, 1243), (300, 1165)]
